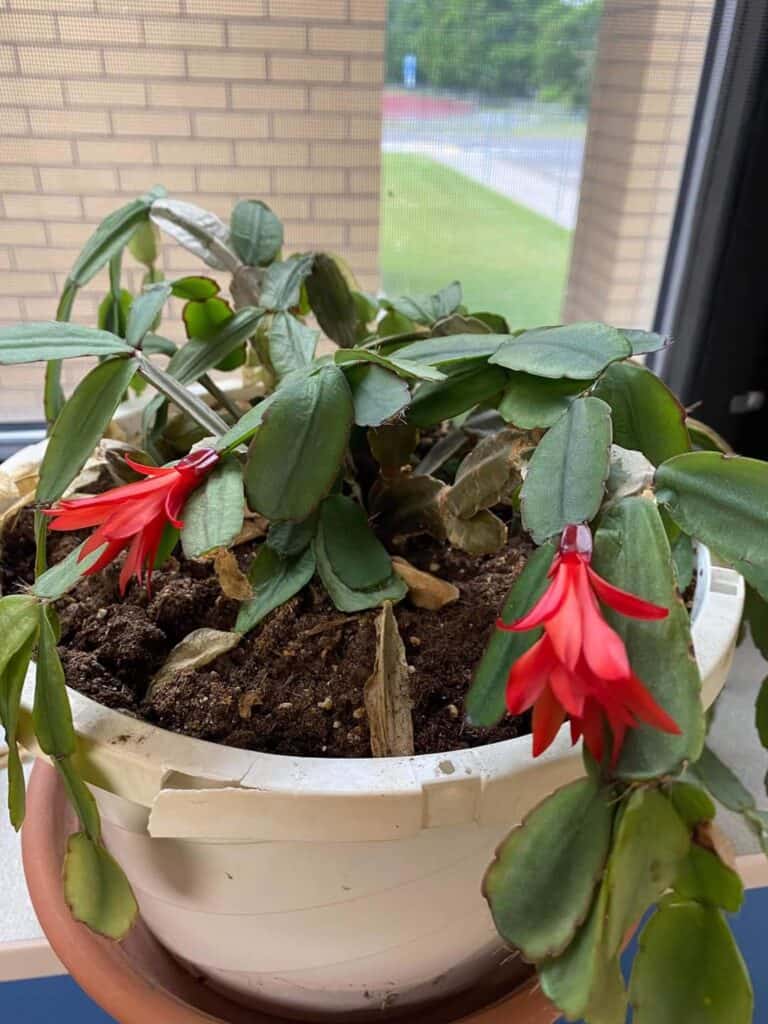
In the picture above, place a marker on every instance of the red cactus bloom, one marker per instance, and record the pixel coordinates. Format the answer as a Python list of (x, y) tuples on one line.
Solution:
[(134, 516), (580, 667)]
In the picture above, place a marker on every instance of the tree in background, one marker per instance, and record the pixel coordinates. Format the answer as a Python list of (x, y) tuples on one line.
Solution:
[(500, 48), (564, 50)]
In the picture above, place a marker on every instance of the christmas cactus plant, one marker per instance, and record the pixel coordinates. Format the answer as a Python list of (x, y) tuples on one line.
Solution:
[(558, 434)]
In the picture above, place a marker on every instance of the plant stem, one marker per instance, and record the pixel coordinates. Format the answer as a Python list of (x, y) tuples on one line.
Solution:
[(225, 402), (181, 397)]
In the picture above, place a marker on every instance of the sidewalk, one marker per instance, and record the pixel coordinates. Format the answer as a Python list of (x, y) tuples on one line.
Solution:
[(551, 197)]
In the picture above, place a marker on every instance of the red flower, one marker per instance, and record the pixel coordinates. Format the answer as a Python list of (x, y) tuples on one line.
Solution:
[(134, 516), (580, 666)]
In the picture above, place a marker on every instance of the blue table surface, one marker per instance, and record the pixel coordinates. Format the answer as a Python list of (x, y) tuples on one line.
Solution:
[(46, 1000)]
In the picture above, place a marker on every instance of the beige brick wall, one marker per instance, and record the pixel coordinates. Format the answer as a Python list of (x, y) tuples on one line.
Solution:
[(647, 74), (216, 99)]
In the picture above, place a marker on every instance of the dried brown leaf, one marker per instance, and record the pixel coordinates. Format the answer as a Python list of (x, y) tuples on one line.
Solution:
[(232, 580), (253, 529), (483, 534), (708, 835), (424, 589), (200, 648), (408, 502), (388, 700), (489, 474)]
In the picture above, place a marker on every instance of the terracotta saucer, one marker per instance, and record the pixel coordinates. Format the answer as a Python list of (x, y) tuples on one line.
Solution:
[(136, 981)]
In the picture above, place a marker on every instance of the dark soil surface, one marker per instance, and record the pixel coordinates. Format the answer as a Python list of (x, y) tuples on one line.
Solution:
[(294, 685)]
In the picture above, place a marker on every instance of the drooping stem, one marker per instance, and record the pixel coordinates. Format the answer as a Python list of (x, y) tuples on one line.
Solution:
[(182, 398), (223, 399), (53, 394)]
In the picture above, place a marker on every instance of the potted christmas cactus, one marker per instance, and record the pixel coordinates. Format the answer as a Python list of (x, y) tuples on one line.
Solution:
[(286, 651)]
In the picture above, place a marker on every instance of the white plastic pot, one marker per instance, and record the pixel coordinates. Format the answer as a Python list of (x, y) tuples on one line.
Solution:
[(314, 886)]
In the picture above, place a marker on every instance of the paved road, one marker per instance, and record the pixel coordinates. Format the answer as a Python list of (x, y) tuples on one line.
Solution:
[(543, 174)]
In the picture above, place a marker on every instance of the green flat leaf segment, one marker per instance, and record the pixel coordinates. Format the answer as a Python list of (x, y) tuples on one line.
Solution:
[(245, 427), (213, 514), (541, 883), (689, 969), (34, 342), (408, 368), (257, 234), (530, 401), (96, 889), (643, 342), (18, 622), (145, 310), (377, 394), (66, 574), (291, 344), (722, 501), (585, 981), (425, 309), (81, 425), (110, 237), (703, 877), (442, 400), (274, 580), (485, 701), (357, 575), (298, 450), (721, 783), (567, 473), (646, 415), (649, 846), (331, 300), (12, 680), (453, 349), (577, 351), (195, 288), (51, 714), (282, 282), (198, 230), (632, 552), (356, 555)]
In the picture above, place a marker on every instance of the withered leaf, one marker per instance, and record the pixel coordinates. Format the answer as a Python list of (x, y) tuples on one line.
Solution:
[(424, 589), (388, 700), (709, 836), (489, 474), (232, 579), (253, 528), (483, 534), (199, 648)]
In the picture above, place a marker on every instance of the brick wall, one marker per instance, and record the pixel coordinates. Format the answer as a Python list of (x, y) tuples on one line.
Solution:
[(647, 74), (216, 99)]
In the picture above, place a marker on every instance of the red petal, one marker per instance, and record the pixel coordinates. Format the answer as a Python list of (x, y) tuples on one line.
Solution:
[(151, 538), (139, 467), (528, 676), (132, 518), (566, 688), (604, 650), (116, 496), (77, 518), (111, 550), (592, 728), (548, 605), (132, 563), (548, 716), (565, 627), (639, 701), (624, 602)]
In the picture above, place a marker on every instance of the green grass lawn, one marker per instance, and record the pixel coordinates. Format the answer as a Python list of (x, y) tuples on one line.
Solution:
[(438, 226)]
